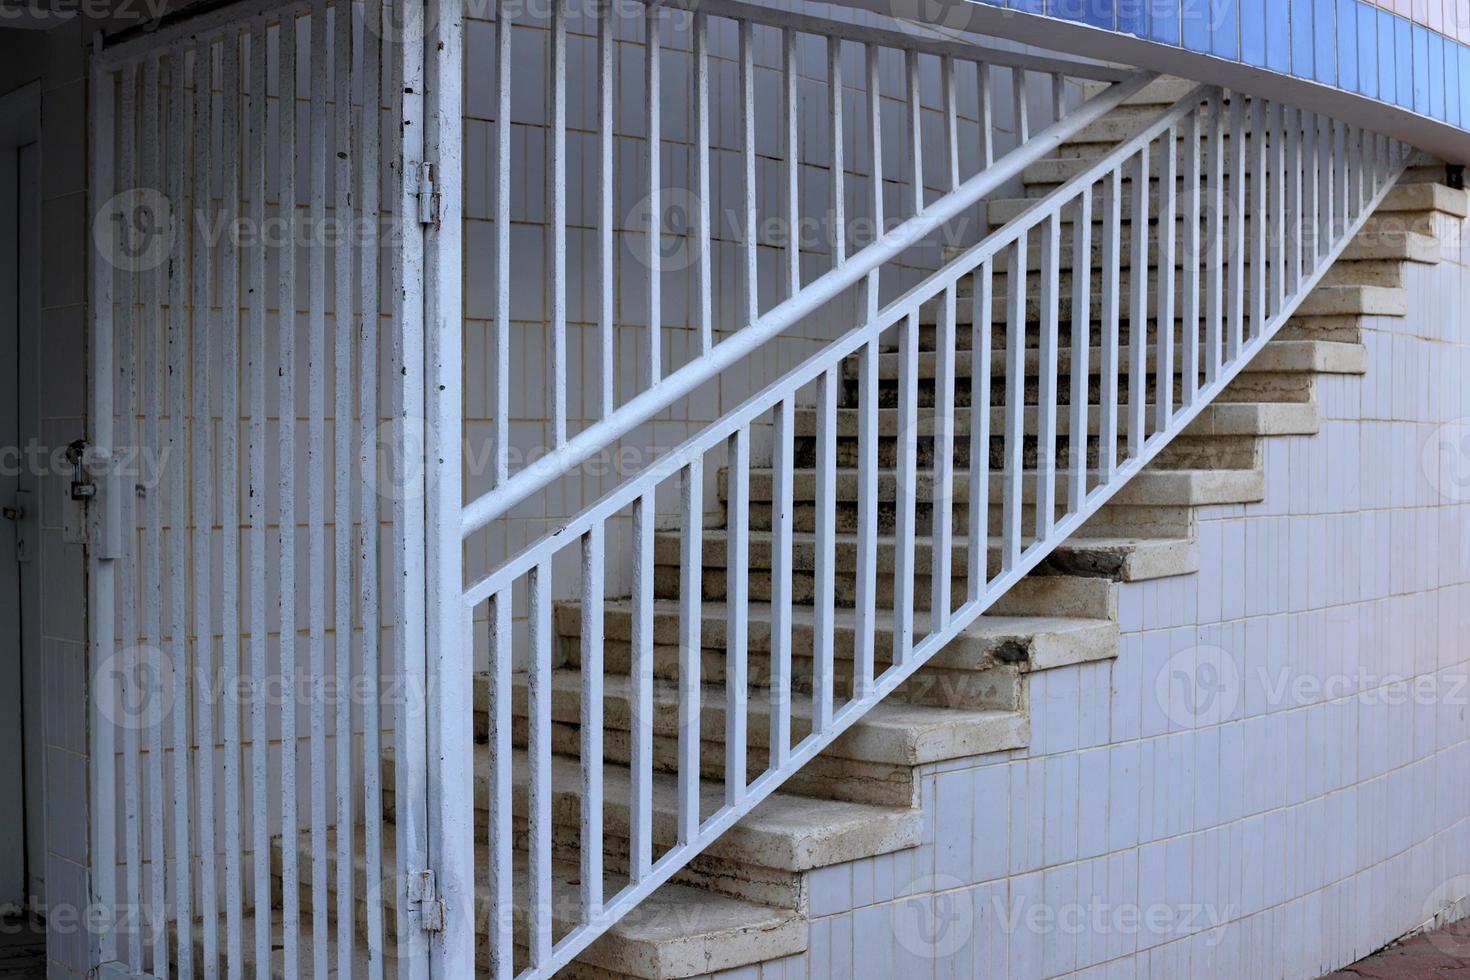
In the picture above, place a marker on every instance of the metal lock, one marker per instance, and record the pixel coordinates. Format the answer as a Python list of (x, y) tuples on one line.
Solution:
[(81, 487)]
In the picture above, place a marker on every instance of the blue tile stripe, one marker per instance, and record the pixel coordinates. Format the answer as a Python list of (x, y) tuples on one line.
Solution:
[(1347, 44)]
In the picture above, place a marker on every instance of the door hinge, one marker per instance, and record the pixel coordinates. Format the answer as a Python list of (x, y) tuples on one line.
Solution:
[(423, 893), (428, 194)]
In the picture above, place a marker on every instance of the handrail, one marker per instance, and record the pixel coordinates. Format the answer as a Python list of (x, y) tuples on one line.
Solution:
[(780, 318)]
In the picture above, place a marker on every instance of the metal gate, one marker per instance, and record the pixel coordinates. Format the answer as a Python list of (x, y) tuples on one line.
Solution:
[(257, 483)]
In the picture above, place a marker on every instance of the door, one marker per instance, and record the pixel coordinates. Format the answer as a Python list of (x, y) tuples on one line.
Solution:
[(21, 727)]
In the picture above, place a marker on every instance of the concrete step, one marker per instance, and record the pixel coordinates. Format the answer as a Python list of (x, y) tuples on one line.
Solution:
[(1162, 91), (1121, 559), (1028, 643), (678, 931)]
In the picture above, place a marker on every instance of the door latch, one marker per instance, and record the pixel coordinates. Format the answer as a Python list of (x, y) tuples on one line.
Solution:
[(82, 488)]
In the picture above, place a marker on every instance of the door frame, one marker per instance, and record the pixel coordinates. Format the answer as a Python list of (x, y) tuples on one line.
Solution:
[(24, 695)]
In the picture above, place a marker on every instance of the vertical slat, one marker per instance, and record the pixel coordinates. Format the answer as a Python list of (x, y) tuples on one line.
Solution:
[(986, 107), (343, 322), (1260, 228), (640, 816), (230, 500), (1238, 179), (1021, 104), (125, 434), (824, 566), (538, 751), (791, 115), (152, 577), (1112, 262), (1326, 194), (783, 519), (202, 503), (178, 149), (1215, 247), (866, 572), (1292, 217), (316, 467), (1189, 290), (982, 315), (256, 489), (1046, 392), (1277, 209), (737, 627), (501, 823), (691, 616), (1138, 306), (1058, 96), (941, 570), (748, 186), (1081, 348), (593, 545), (950, 110), (606, 219), (1340, 190), (368, 136), (1311, 198), (286, 462), (916, 128), (557, 179), (652, 87), (504, 61), (1164, 336), (904, 566), (1015, 418), (703, 280), (839, 190), (875, 140)]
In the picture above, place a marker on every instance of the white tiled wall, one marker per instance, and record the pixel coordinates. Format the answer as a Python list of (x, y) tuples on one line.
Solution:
[(1313, 809)]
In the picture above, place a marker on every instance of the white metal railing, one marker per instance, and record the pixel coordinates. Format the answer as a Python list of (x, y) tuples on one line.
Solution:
[(1267, 197)]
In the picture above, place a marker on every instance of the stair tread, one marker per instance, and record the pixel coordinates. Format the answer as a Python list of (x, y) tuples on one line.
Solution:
[(1278, 356), (677, 931), (892, 732)]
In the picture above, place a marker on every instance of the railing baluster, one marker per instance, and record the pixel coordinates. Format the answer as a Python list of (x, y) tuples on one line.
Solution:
[(982, 313), (783, 519), (748, 186), (737, 628), (916, 127), (904, 494), (1046, 398), (1311, 195), (652, 87), (691, 615), (1015, 413), (1164, 337), (1215, 254), (1259, 221), (825, 563), (538, 750), (1081, 344), (951, 120), (986, 107), (1292, 217), (501, 820), (1058, 96), (593, 546), (1343, 179), (1236, 300), (504, 59), (1325, 192), (941, 533), (1278, 208), (606, 219), (1190, 319), (640, 817), (703, 278), (790, 79), (1138, 306), (875, 140), (866, 573), (839, 192), (1112, 286), (557, 284), (1021, 104)]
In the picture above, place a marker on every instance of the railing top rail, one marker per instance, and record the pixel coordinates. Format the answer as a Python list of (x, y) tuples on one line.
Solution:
[(925, 42), (642, 407)]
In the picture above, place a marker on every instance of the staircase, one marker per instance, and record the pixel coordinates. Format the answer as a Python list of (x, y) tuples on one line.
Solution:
[(748, 897)]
